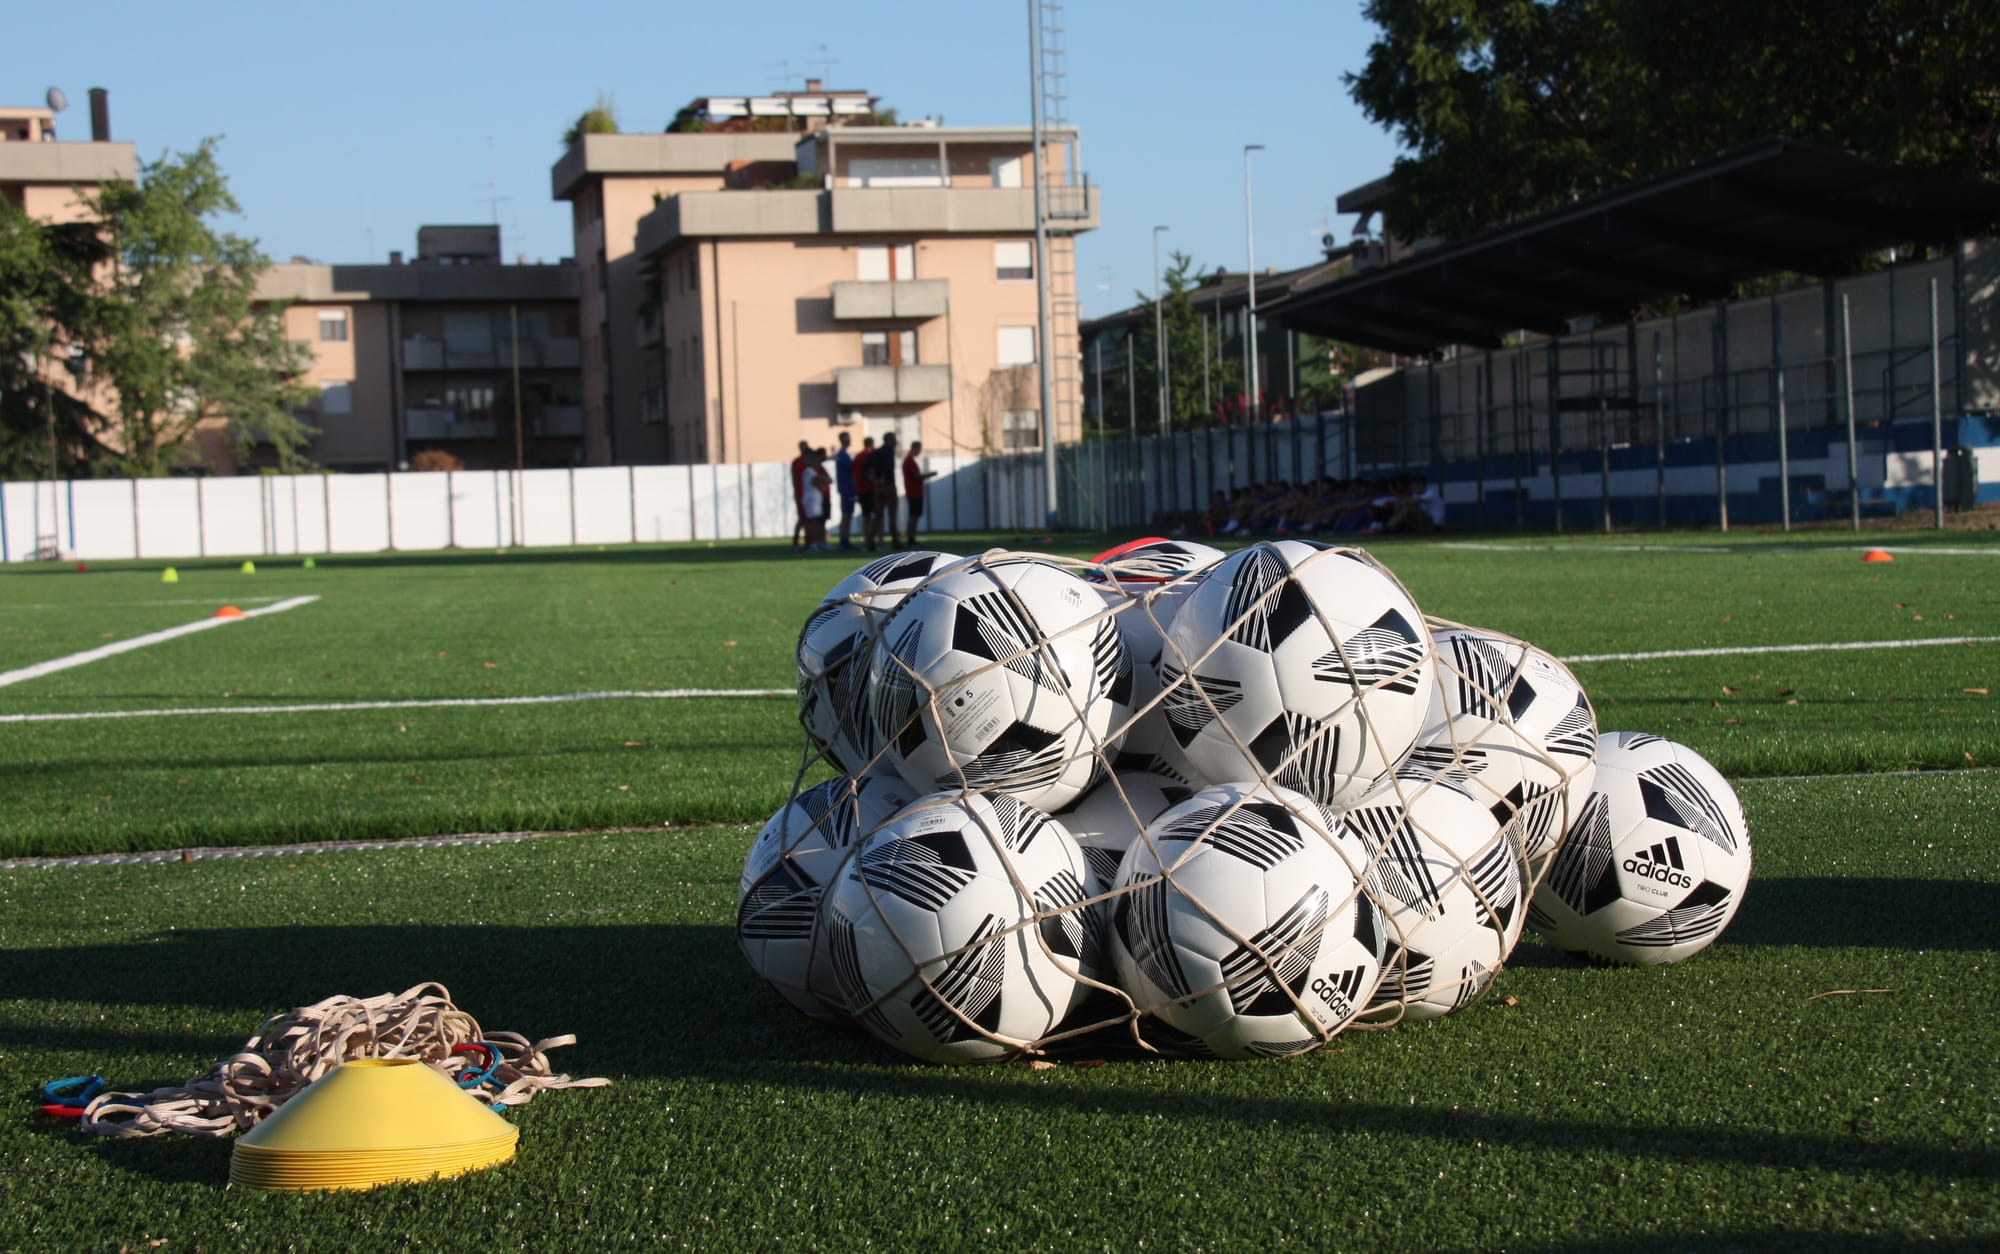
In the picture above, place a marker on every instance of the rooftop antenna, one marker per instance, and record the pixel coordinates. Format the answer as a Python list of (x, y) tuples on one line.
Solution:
[(826, 63), (784, 69), (493, 196)]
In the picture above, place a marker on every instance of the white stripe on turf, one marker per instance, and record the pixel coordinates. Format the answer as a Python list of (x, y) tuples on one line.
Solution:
[(431, 703), (1742, 650), (98, 654), (1585, 548), (119, 605)]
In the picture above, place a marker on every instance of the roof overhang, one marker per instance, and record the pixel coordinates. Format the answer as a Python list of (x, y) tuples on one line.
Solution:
[(1765, 207)]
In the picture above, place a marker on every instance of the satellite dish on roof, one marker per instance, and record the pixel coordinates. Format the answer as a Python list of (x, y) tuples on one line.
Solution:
[(57, 101)]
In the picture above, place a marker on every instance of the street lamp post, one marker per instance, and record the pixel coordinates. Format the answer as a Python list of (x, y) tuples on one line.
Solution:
[(1250, 239), (1159, 332)]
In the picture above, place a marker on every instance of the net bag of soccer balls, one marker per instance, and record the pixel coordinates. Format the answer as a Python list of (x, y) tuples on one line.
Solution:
[(1214, 805)]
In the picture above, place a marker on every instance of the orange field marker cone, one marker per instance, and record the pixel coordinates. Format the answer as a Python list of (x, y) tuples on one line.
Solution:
[(1877, 555), (227, 611), (170, 575), (249, 567)]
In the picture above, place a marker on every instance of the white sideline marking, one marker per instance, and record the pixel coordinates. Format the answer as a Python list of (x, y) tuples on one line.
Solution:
[(98, 654), (1586, 548), (119, 605), (1811, 779), (1919, 550), (430, 703), (1741, 650)]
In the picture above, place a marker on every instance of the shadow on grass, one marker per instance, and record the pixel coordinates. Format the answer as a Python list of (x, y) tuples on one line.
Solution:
[(1830, 912), (676, 1002)]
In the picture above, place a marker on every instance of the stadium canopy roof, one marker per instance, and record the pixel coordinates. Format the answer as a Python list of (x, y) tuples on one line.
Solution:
[(1767, 206)]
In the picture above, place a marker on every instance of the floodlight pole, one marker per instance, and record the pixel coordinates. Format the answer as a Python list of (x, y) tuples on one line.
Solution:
[(1044, 356), (1853, 458), (1778, 398), (1937, 415), (1159, 332), (1250, 241)]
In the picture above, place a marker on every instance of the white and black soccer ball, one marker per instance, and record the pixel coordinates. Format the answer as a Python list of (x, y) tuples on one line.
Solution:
[(1300, 663), (1517, 724), (1451, 887), (1154, 559), (1001, 675), (956, 932), (834, 648), (799, 852), (1655, 865), (1242, 923), (1111, 817)]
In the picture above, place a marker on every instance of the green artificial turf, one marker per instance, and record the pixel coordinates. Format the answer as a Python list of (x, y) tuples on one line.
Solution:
[(481, 626), (1717, 1104)]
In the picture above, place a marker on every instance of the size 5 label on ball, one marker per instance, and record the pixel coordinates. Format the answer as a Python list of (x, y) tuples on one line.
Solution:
[(963, 710)]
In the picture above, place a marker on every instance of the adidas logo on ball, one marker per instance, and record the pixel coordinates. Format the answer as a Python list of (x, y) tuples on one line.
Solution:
[(1341, 992), (1662, 862)]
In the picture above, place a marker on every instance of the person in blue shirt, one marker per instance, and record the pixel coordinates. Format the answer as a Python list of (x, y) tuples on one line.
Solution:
[(843, 483)]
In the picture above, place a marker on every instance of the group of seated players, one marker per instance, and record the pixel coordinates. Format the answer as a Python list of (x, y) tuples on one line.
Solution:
[(1399, 505)]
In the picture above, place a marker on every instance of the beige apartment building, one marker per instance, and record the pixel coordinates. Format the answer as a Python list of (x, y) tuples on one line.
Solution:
[(744, 289), (424, 355), (49, 178)]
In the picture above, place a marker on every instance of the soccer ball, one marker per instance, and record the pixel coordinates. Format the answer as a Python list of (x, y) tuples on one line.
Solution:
[(1515, 722), (792, 860), (956, 932), (1110, 817), (1001, 675), (1242, 923), (1152, 560), (1450, 884), (1656, 863), (1301, 663), (1143, 608), (834, 647)]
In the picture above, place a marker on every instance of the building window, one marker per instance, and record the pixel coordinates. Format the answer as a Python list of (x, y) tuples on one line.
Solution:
[(653, 406), (1006, 171), (888, 348), (469, 402), (1020, 429), (336, 398), (333, 326), (1013, 260), (1017, 346), (468, 333), (693, 270), (876, 263)]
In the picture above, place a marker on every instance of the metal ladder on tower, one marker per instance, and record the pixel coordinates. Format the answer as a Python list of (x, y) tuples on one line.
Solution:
[(1066, 197)]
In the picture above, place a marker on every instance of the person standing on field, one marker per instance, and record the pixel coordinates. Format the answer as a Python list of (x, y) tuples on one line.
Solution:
[(913, 491), (799, 496), (881, 472), (843, 482), (814, 501)]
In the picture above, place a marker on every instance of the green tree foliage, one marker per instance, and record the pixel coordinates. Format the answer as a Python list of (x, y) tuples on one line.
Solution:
[(1182, 323), (1508, 107), (49, 315), (600, 119), (178, 335)]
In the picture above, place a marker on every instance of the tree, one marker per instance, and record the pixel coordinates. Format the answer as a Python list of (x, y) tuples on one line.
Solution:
[(178, 335), (600, 119), (1182, 323), (1509, 107), (48, 308)]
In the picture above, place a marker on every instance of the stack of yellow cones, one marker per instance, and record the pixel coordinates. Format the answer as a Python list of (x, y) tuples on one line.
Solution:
[(370, 1122)]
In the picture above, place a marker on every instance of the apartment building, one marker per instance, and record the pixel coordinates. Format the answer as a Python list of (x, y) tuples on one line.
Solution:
[(425, 355), (49, 178), (746, 287)]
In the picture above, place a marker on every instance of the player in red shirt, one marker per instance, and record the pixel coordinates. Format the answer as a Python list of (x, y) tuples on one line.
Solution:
[(913, 492)]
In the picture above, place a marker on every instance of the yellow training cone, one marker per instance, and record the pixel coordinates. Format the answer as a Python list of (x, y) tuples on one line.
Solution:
[(369, 1122), (307, 564), (249, 567), (170, 575)]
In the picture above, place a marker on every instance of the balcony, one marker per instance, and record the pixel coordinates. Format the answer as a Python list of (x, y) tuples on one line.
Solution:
[(892, 385), (444, 424), (424, 353), (908, 299), (559, 420), (950, 210)]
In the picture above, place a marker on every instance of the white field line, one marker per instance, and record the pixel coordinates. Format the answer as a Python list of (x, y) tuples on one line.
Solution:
[(1740, 781), (1919, 550), (429, 703), (1585, 548), (120, 605), (98, 654), (1745, 650)]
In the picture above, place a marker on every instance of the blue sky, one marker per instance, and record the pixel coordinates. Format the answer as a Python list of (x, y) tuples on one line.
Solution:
[(345, 127)]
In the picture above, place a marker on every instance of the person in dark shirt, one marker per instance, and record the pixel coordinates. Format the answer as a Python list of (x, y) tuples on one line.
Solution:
[(799, 497), (843, 483), (913, 491), (881, 473)]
